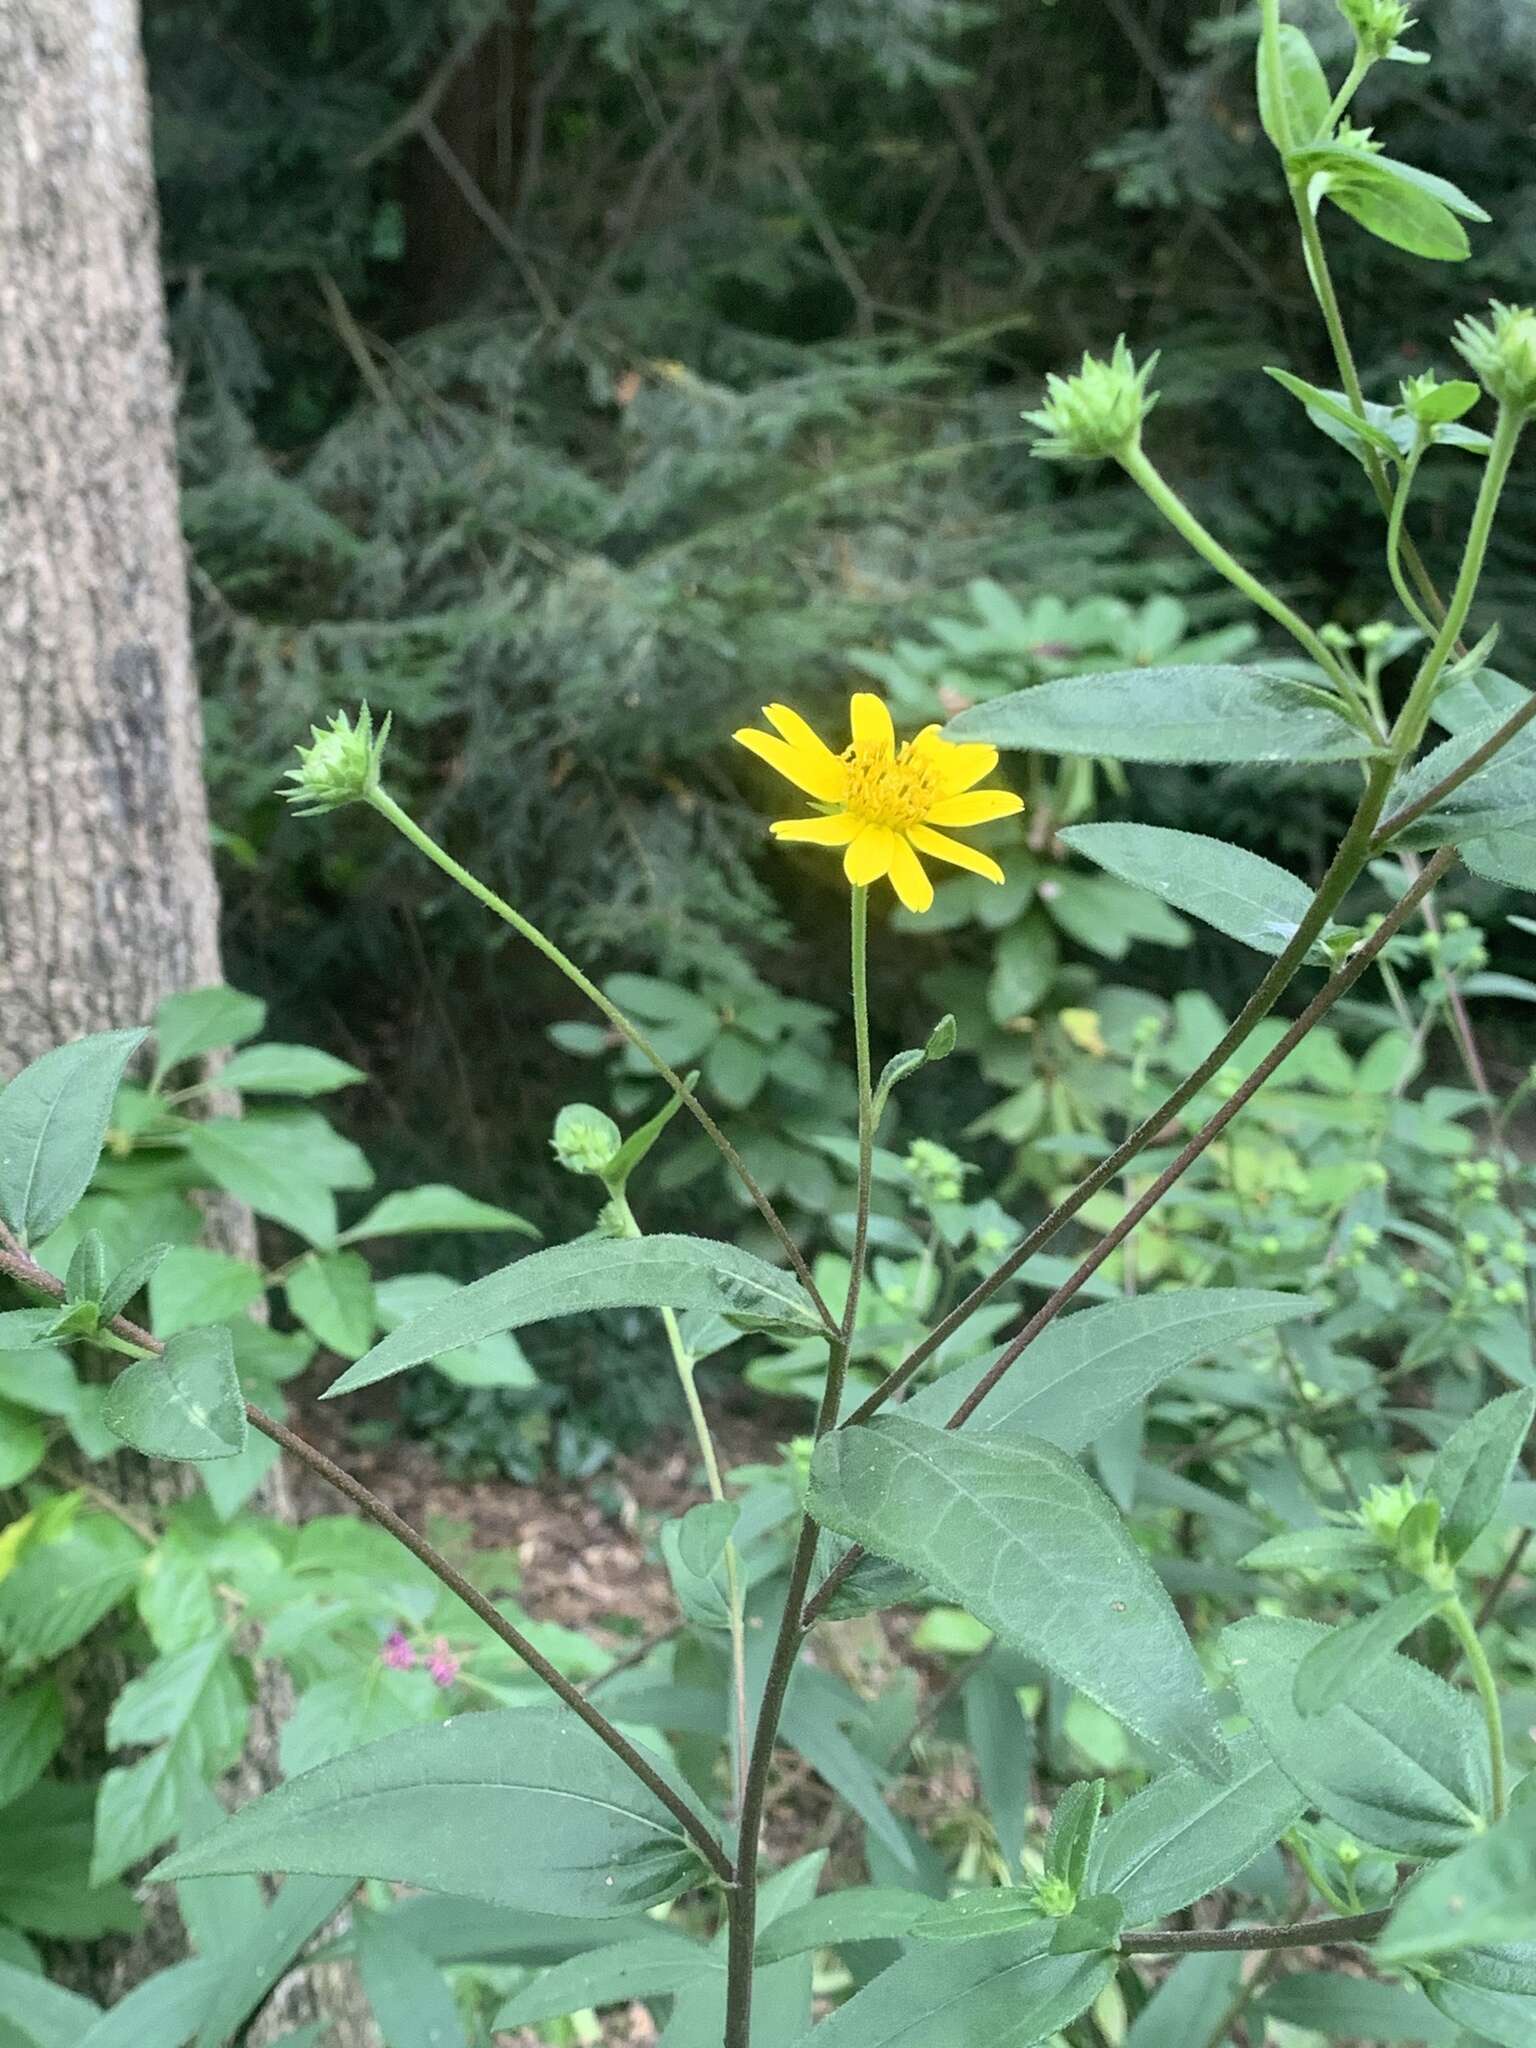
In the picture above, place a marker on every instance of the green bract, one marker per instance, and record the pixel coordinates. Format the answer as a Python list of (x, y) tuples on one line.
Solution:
[(1502, 351), (1378, 24), (340, 766), (1096, 413)]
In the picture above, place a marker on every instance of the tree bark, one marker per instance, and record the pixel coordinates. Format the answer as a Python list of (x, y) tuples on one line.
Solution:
[(107, 893)]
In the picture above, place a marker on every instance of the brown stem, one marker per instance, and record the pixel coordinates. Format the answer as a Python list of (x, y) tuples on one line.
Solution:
[(1355, 1928), (15, 1261), (1345, 868), (1479, 758), (1338, 985)]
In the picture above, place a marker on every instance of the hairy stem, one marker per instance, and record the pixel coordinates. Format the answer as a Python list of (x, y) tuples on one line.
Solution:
[(1338, 985), (1488, 1692), (1399, 821), (423, 841), (1351, 1931), (15, 1261)]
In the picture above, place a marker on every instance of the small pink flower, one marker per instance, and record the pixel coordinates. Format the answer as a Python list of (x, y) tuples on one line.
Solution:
[(397, 1653), (443, 1665)]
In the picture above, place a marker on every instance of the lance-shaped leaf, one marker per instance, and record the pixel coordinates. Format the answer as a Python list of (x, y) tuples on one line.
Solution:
[(593, 1273), (1484, 1894), (1339, 1660), (524, 1807), (1497, 798), (1205, 713), (1402, 1762), (1469, 1476), (53, 1118), (1019, 1535), (1490, 1991), (1238, 892)]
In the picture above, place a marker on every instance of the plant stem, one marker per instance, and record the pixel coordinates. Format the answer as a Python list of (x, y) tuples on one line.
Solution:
[(1395, 521), (1143, 472), (742, 1935), (1346, 92), (423, 841), (1348, 863), (1337, 986), (1478, 758), (686, 1367), (1351, 1931), (1488, 1692), (21, 1267), (1414, 716)]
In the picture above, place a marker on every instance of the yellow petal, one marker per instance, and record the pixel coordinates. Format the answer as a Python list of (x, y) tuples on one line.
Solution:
[(942, 847), (822, 778), (836, 831), (873, 731), (869, 857), (961, 767), (795, 729), (979, 808), (909, 878)]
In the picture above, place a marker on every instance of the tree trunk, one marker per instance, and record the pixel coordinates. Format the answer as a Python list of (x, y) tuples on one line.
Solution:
[(107, 893)]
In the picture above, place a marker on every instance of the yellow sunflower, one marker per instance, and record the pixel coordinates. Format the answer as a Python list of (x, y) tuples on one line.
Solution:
[(888, 798)]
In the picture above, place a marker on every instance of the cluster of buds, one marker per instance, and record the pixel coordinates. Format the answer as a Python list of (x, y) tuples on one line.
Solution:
[(1379, 25), (936, 1173), (1097, 413), (585, 1140), (1501, 351), (341, 766)]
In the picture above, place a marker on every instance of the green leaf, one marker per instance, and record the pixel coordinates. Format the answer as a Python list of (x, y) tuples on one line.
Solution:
[(193, 1285), (1496, 798), (129, 1279), (1093, 1925), (1006, 1992), (1018, 1534), (331, 1293), (1492, 1991), (23, 1444), (1071, 1836), (342, 1713), (496, 1361), (639, 1144), (163, 2012), (1184, 1837), (594, 1272), (267, 1951), (1188, 2008), (1483, 1894), (1327, 408), (201, 1020), (1305, 100), (192, 1707), (901, 1066), (31, 1729), (693, 1547), (63, 1587), (1341, 1660), (53, 1118), (980, 1916), (454, 1807), (186, 1404), (1403, 1764), (1213, 714), (1088, 1370), (1024, 965), (647, 1966), (836, 1919), (248, 1158), (409, 1994), (1411, 209), (1473, 1468), (39, 2014), (1328, 2002), (44, 1848), (432, 1208), (1238, 892), (1317, 1550), (286, 1070), (1002, 1741)]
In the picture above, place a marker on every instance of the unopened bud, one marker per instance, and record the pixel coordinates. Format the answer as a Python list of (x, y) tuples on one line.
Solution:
[(1096, 413), (340, 766), (1501, 350), (585, 1140)]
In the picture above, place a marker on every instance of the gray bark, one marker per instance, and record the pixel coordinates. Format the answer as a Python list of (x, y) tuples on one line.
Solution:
[(107, 894)]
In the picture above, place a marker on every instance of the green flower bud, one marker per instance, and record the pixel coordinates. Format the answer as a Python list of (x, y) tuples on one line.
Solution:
[(1510, 1293), (1054, 1896), (1377, 635), (1336, 636), (1513, 1250), (936, 1173), (585, 1140), (1385, 1509), (1379, 25), (1501, 351), (1478, 1244), (340, 767), (1365, 1237), (1098, 412), (1456, 920)]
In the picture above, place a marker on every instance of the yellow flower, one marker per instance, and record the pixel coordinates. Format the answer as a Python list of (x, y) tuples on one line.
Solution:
[(887, 798)]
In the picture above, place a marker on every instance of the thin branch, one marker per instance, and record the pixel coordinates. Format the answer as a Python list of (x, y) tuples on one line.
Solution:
[(993, 205), (1349, 1932), (1338, 985), (426, 103), (469, 191), (1479, 758), (28, 1273), (789, 168)]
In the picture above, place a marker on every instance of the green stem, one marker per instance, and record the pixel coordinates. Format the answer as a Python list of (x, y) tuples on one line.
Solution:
[(1315, 1877), (1395, 522), (1413, 718), (686, 1367), (1488, 1692), (423, 841), (858, 954), (1139, 467), (1346, 92)]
